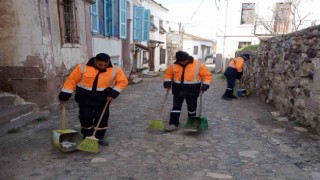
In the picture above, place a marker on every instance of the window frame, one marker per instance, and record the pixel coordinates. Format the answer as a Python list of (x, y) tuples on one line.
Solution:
[(195, 50), (111, 18), (123, 19), (75, 37), (244, 44), (141, 24), (248, 12), (96, 4), (161, 28), (281, 22), (146, 25), (108, 17), (162, 56)]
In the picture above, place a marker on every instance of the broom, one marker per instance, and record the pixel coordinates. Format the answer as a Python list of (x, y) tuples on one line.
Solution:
[(158, 123), (90, 144)]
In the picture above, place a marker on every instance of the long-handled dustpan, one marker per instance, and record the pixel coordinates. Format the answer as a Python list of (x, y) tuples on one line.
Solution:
[(157, 124), (63, 139), (195, 124)]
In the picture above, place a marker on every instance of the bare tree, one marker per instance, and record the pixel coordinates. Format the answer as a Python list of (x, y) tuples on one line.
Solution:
[(286, 17), (297, 16)]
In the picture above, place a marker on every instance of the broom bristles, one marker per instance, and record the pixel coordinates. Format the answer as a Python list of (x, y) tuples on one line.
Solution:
[(156, 125), (89, 144)]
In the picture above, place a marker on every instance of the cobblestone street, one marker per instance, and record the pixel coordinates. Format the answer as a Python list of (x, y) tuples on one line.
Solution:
[(244, 141)]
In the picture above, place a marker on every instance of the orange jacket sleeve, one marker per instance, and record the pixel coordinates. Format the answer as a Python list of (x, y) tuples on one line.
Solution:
[(168, 75), (121, 81), (72, 80), (205, 74)]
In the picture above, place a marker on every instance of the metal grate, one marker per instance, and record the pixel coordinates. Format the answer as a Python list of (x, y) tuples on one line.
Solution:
[(70, 31)]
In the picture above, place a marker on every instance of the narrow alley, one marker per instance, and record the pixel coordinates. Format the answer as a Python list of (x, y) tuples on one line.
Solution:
[(244, 141)]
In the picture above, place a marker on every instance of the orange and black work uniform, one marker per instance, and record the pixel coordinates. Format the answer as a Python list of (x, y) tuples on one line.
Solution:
[(233, 72), (186, 82), (92, 87)]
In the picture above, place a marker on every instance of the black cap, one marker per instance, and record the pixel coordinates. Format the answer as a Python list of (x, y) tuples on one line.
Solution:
[(245, 56), (182, 56), (103, 57)]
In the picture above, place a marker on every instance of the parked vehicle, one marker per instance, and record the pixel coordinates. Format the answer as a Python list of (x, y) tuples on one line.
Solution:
[(210, 59)]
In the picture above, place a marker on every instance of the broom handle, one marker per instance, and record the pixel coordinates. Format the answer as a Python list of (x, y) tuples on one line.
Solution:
[(104, 110), (63, 116), (164, 102), (200, 108)]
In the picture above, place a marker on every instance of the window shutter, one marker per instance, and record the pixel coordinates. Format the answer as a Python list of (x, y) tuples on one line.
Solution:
[(108, 18), (94, 17), (123, 19), (138, 23), (146, 25)]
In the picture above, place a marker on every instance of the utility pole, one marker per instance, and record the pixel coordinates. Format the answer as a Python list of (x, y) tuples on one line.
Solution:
[(224, 38), (181, 31)]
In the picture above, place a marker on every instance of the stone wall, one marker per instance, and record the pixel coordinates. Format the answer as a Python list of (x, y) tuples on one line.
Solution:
[(285, 72)]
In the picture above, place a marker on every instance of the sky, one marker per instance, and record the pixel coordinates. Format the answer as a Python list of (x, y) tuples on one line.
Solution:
[(198, 17)]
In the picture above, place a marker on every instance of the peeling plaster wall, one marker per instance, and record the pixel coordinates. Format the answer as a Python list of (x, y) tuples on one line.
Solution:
[(32, 57), (20, 31)]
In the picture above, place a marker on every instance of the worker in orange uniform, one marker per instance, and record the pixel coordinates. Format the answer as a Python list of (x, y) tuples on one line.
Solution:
[(95, 83), (188, 78), (233, 72)]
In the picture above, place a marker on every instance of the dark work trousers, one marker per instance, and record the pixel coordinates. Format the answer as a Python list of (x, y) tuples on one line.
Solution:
[(176, 109), (231, 80), (89, 117)]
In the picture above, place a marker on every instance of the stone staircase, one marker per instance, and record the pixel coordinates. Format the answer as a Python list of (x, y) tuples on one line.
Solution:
[(14, 112)]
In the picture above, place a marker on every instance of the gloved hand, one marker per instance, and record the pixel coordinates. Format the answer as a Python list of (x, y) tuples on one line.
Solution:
[(63, 96), (113, 93), (204, 87), (167, 84), (239, 75)]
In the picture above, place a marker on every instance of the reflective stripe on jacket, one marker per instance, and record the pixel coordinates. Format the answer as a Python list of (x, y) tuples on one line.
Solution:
[(188, 85)]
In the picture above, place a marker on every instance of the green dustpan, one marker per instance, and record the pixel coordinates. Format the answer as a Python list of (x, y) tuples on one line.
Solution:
[(195, 124)]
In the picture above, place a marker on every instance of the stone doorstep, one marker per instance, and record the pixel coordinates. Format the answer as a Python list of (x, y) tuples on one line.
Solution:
[(6, 100), (20, 122), (137, 80), (10, 113)]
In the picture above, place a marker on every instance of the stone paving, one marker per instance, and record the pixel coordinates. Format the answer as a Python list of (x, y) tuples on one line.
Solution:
[(244, 141)]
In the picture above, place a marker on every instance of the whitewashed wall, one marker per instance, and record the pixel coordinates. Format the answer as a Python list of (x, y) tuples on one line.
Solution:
[(159, 14), (188, 46)]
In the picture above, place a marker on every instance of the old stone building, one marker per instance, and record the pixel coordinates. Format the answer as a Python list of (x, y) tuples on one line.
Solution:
[(39, 40)]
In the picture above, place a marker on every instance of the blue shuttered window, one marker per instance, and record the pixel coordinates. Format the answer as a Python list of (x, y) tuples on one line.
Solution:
[(111, 20), (137, 23), (108, 18), (141, 24), (94, 15), (146, 25), (123, 19)]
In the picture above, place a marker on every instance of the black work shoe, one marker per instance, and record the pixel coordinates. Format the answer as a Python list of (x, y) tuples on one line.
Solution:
[(103, 142), (226, 98), (234, 97), (171, 128)]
